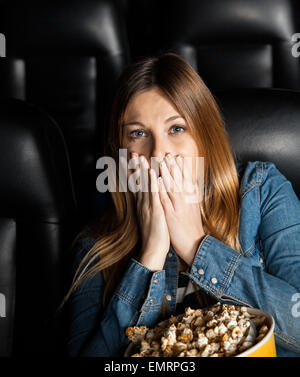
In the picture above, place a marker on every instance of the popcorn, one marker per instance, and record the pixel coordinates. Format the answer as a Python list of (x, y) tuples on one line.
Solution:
[(202, 340), (149, 335), (198, 321), (231, 323), (145, 346), (136, 334), (207, 351), (186, 336), (171, 334), (155, 345), (164, 343), (173, 319), (221, 330), (211, 323), (192, 353), (179, 346), (264, 329), (215, 347), (210, 334), (236, 332), (189, 311)]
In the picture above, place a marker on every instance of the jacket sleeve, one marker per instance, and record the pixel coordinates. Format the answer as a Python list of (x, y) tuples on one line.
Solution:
[(273, 286), (98, 332)]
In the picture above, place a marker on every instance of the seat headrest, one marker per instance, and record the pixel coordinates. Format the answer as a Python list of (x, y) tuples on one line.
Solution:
[(79, 27), (35, 174), (264, 124)]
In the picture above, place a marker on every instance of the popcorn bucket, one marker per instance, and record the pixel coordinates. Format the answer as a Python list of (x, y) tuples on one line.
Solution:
[(265, 347)]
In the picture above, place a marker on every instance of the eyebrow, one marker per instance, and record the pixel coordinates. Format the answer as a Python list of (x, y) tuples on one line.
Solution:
[(141, 124)]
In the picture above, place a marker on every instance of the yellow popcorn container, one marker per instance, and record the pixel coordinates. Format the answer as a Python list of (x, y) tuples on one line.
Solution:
[(265, 347)]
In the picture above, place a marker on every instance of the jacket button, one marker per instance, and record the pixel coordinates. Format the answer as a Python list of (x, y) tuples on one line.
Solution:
[(261, 260), (168, 297), (201, 271), (214, 280), (151, 301), (156, 281), (169, 255)]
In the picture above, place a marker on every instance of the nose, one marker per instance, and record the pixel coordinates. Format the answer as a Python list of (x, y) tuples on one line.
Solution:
[(160, 149)]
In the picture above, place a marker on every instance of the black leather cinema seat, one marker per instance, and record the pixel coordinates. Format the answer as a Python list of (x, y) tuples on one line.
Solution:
[(65, 57), (37, 209), (264, 124), (232, 43), (237, 44)]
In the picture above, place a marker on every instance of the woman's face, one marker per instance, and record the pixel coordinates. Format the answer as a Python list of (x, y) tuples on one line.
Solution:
[(154, 128)]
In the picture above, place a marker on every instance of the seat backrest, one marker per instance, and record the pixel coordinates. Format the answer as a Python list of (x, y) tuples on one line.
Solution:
[(66, 57), (264, 124), (37, 208), (232, 43)]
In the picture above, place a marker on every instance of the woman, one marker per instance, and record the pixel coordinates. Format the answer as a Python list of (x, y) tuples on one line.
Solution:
[(240, 244)]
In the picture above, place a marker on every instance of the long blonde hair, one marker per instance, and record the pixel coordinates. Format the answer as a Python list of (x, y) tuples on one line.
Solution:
[(119, 239)]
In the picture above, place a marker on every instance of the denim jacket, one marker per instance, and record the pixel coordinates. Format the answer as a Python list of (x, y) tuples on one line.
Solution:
[(265, 275)]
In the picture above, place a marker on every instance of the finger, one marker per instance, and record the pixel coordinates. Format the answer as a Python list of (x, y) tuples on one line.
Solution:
[(168, 184), (144, 181), (187, 166), (179, 162), (123, 173), (164, 197), (154, 162), (178, 173), (170, 164), (137, 169), (166, 176), (154, 189), (136, 165), (133, 174), (175, 172)]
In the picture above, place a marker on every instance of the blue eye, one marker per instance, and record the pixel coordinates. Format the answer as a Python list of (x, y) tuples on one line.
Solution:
[(133, 134), (176, 127), (136, 134)]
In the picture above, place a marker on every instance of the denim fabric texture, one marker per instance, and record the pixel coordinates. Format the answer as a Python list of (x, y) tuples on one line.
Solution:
[(265, 275)]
